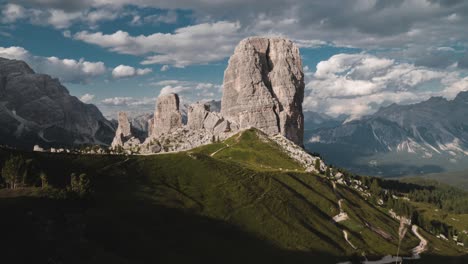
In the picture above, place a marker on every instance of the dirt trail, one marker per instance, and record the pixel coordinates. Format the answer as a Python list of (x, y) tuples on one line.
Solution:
[(422, 247), (223, 148), (347, 239)]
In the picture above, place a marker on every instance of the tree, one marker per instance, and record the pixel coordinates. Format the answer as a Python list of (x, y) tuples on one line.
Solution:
[(375, 187), (328, 172), (80, 184), (85, 184), (317, 165), (74, 183), (44, 180), (13, 171)]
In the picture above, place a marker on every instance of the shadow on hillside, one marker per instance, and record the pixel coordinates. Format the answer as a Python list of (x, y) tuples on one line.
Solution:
[(38, 230)]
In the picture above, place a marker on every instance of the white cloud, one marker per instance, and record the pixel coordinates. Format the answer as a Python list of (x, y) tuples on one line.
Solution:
[(190, 90), (128, 101), (67, 70), (115, 101), (173, 89), (165, 68), (14, 52), (198, 44), (169, 17), (310, 43), (58, 18), (124, 71), (12, 12), (87, 98), (454, 88), (358, 84)]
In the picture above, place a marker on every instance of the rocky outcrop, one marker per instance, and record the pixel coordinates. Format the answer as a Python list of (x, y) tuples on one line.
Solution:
[(37, 109), (264, 87), (167, 117), (123, 135), (196, 115), (200, 117)]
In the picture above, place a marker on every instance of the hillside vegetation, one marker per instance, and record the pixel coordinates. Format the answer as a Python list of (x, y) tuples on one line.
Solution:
[(241, 200)]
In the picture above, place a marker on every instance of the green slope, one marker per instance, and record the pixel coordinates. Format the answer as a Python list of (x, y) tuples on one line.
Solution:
[(248, 202)]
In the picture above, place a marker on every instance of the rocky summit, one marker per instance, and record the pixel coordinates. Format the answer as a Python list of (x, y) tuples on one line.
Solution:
[(167, 116), (264, 87), (124, 134), (38, 109)]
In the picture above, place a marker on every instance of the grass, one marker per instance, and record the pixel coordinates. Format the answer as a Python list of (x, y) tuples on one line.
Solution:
[(254, 150), (190, 207)]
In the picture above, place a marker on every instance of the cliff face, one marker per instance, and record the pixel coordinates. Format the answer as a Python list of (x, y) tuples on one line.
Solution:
[(264, 87), (167, 116), (37, 109)]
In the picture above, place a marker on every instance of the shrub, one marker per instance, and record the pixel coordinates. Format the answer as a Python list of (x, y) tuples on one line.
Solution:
[(14, 171)]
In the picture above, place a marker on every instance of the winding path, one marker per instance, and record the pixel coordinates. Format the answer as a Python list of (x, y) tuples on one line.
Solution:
[(342, 216), (422, 247), (223, 148), (347, 239)]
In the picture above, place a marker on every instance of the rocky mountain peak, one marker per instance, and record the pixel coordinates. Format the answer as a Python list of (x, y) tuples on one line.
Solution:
[(167, 116), (8, 67), (38, 109), (124, 134), (264, 87)]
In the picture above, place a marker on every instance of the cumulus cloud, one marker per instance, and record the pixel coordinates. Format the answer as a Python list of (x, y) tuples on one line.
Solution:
[(67, 70), (198, 44), (57, 17), (118, 101), (12, 12), (189, 90), (124, 71), (170, 17), (132, 105), (402, 24), (165, 68), (358, 84), (87, 98)]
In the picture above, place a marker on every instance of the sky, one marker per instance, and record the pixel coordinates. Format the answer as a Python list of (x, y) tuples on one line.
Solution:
[(358, 55)]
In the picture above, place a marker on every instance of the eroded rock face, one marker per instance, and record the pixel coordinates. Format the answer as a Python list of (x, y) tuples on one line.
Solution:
[(196, 115), (264, 87), (123, 133), (38, 109), (167, 117)]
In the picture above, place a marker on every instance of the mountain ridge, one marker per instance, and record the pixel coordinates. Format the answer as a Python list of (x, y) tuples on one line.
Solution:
[(38, 109), (432, 129)]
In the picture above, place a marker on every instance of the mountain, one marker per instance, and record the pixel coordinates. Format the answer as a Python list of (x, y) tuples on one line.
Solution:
[(240, 200), (37, 109), (314, 121), (431, 136)]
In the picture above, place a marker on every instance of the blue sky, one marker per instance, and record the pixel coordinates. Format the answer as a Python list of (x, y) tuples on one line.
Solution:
[(358, 55)]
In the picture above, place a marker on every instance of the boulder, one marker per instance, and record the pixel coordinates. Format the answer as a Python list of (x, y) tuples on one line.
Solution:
[(212, 120), (196, 115)]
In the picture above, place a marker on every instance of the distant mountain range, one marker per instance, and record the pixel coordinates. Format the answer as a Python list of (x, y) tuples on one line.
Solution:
[(431, 136), (38, 109)]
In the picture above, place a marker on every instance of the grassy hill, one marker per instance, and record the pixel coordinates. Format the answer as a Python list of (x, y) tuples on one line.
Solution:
[(241, 200)]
